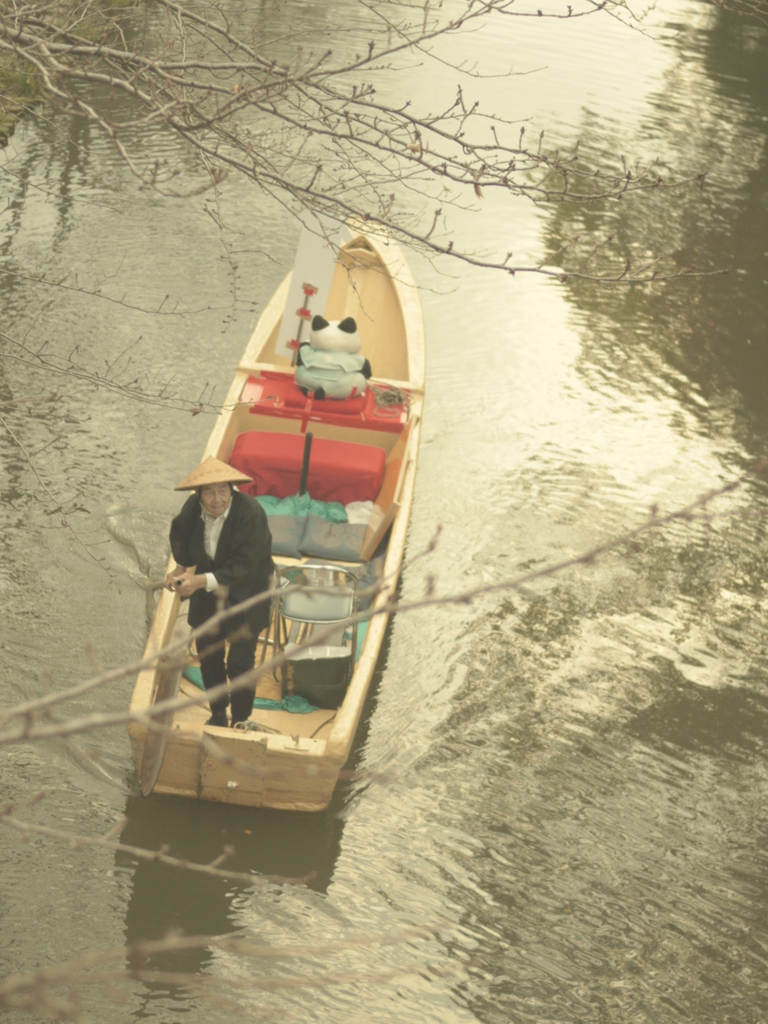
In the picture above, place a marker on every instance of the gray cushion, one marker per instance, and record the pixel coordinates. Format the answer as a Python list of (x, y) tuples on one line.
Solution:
[(287, 532), (340, 541)]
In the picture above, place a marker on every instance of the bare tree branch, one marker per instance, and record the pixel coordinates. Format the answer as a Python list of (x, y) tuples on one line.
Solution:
[(33, 991), (116, 379), (161, 856), (697, 511), (97, 293), (314, 131), (58, 508)]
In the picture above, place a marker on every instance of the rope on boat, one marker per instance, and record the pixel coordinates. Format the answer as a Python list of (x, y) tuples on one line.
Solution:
[(253, 726), (387, 395), (326, 722)]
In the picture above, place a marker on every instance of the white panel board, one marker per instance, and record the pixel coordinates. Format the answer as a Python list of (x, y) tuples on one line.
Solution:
[(314, 265)]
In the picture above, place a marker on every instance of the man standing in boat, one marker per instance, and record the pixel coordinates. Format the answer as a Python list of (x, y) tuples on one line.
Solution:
[(223, 536)]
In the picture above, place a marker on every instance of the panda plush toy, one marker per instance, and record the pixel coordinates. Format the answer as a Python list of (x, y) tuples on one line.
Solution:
[(329, 363)]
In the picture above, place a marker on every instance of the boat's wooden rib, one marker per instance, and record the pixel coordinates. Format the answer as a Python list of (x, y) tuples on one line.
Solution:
[(294, 763)]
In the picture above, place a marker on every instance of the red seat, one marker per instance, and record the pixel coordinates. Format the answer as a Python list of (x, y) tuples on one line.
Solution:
[(338, 470), (274, 393), (343, 406)]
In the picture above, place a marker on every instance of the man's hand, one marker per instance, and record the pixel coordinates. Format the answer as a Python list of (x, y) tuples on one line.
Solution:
[(171, 578), (187, 583)]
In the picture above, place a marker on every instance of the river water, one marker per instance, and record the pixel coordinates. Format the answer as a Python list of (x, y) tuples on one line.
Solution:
[(565, 786)]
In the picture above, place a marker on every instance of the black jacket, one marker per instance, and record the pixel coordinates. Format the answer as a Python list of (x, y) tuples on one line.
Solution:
[(243, 561)]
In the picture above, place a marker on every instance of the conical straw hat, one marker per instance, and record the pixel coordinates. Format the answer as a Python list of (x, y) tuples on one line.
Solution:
[(212, 471)]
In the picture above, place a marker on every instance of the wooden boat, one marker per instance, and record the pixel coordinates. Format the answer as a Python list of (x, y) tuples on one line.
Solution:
[(294, 763)]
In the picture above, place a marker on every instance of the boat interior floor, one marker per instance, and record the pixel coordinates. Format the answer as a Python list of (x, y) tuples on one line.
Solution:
[(314, 724)]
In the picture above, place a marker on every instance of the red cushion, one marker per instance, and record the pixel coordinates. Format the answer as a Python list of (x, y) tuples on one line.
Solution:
[(274, 393), (271, 390), (338, 470), (296, 399), (341, 406)]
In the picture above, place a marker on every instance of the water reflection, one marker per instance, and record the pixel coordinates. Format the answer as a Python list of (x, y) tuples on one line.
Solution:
[(303, 847), (710, 332), (689, 720)]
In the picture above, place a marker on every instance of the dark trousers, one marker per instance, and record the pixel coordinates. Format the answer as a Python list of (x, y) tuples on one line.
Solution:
[(240, 659)]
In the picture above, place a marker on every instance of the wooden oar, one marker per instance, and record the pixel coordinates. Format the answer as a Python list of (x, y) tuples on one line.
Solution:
[(168, 679), (149, 591)]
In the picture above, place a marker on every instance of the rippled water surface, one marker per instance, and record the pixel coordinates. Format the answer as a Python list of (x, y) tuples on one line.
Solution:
[(564, 785)]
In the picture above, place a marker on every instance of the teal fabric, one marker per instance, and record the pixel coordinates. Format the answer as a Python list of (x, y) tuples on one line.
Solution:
[(194, 675), (293, 703), (362, 629), (302, 505)]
